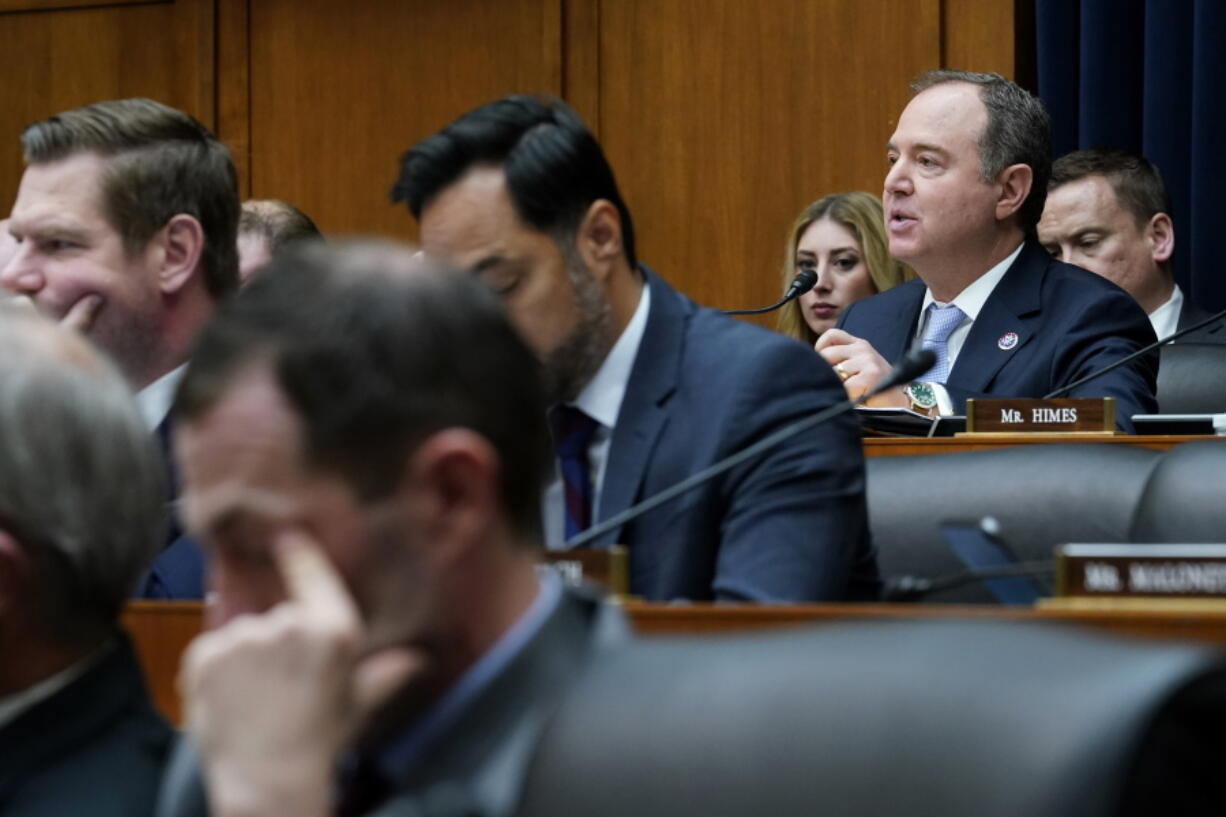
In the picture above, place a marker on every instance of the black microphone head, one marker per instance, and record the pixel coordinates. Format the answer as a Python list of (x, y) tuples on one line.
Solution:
[(804, 281), (913, 364)]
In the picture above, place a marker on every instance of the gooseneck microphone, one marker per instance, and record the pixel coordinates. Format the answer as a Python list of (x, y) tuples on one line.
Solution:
[(911, 366), (804, 281), (1063, 390)]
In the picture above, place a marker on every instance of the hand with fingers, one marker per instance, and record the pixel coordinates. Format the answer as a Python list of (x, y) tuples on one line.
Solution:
[(272, 699), (80, 316), (859, 366)]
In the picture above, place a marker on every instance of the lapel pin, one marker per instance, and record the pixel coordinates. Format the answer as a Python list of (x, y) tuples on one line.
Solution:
[(1007, 341)]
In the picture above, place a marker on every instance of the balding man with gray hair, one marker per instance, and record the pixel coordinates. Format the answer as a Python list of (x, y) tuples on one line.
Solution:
[(81, 494)]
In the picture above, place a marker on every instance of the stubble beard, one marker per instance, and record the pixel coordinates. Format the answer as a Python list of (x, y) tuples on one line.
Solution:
[(135, 346), (569, 367)]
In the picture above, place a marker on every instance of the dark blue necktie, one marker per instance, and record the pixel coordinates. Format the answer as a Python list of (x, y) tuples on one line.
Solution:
[(572, 435)]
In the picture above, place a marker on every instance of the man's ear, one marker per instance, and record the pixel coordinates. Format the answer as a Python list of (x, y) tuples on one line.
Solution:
[(598, 240), (1161, 234), (452, 488), (178, 247), (1014, 183), (15, 569)]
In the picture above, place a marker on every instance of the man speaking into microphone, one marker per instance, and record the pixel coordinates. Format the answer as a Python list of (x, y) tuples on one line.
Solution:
[(968, 169), (647, 388)]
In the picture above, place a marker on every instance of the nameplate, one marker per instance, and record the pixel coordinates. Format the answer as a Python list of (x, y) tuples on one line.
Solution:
[(609, 567), (1146, 571), (1081, 415)]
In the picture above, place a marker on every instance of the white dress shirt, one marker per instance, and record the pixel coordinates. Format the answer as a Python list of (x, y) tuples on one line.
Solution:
[(601, 399), (154, 400), (970, 301), (1165, 318)]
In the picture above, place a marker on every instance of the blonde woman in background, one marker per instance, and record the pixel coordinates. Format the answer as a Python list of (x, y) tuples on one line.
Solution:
[(842, 238)]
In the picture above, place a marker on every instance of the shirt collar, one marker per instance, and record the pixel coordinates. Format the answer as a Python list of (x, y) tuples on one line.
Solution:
[(13, 706), (1166, 317), (601, 398), (155, 399), (972, 299), (403, 751)]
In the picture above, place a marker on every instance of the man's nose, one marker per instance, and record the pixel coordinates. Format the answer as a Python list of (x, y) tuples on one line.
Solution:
[(20, 275), (897, 178)]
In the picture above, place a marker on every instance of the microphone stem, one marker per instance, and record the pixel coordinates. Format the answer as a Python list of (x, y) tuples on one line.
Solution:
[(1144, 350), (759, 310)]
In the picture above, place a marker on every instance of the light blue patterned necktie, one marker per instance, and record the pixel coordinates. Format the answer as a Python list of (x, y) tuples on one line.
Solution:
[(942, 321)]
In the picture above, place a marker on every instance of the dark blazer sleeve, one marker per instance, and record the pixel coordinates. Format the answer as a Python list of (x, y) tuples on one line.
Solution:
[(795, 526), (1089, 325)]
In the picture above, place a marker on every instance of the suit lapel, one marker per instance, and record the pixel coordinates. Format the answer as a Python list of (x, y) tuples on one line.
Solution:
[(643, 414), (892, 337), (1011, 310)]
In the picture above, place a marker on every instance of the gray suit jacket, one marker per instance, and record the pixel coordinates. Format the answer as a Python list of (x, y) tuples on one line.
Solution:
[(476, 766), (94, 747)]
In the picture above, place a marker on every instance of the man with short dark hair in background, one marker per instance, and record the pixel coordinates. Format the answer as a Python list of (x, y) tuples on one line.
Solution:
[(646, 387), (969, 163), (265, 228), (363, 443), (126, 218), (80, 516), (1107, 211)]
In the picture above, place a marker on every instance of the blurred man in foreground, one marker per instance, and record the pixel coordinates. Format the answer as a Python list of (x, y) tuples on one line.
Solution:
[(363, 445), (80, 516)]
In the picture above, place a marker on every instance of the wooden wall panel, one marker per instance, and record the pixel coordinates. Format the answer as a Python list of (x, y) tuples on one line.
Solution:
[(234, 86), (724, 118), (340, 90), (52, 60), (979, 36)]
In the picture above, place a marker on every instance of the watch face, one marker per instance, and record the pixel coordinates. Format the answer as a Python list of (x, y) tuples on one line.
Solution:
[(922, 395)]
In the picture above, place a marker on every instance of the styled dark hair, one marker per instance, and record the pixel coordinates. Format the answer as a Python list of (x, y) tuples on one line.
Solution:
[(376, 351), (162, 163), (279, 222), (554, 167), (1136, 182), (1018, 132)]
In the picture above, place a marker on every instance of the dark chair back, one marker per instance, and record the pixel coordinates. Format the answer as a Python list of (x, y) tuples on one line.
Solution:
[(1185, 498), (948, 718), (1042, 495), (1192, 379)]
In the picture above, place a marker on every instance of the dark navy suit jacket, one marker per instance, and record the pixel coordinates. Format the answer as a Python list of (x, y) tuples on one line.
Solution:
[(1069, 323), (1192, 314), (790, 526), (178, 571)]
